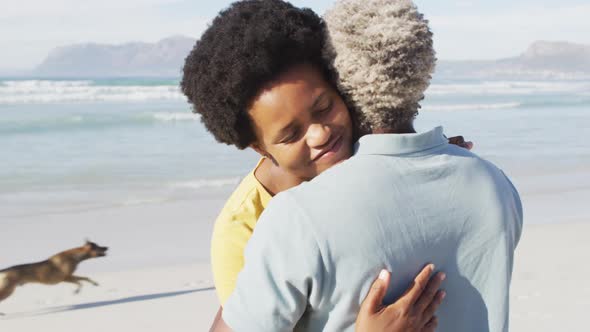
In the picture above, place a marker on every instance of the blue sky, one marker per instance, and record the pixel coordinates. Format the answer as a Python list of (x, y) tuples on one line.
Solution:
[(463, 29)]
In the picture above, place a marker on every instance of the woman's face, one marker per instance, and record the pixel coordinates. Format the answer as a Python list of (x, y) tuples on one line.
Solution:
[(301, 122)]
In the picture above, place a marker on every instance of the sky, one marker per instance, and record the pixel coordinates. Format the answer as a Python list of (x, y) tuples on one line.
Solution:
[(463, 29)]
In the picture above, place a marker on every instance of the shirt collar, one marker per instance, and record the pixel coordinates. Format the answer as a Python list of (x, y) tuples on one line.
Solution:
[(397, 144)]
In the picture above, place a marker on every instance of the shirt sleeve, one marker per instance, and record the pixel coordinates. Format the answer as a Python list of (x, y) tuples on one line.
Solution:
[(227, 256), (283, 267)]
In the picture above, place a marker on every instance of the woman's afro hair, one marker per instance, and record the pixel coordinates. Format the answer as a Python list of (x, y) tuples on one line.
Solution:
[(247, 46), (384, 57)]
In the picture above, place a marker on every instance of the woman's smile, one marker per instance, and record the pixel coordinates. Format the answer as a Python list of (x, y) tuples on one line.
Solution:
[(332, 154)]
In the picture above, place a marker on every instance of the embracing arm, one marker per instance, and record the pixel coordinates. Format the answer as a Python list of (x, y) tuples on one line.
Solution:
[(413, 312)]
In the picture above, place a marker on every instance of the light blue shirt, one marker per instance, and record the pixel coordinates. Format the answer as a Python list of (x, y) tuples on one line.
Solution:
[(403, 200)]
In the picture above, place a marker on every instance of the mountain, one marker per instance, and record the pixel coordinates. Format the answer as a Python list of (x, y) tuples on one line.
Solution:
[(162, 59), (542, 60)]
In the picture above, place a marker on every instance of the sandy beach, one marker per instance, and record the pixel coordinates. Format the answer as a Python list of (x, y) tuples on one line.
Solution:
[(175, 298), (550, 291), (158, 278)]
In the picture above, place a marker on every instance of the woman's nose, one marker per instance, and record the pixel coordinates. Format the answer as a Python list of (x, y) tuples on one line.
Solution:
[(318, 135)]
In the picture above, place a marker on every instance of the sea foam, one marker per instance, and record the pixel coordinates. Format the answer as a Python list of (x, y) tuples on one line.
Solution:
[(508, 88), (41, 91)]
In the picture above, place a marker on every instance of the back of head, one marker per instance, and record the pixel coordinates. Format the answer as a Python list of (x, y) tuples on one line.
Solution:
[(384, 57)]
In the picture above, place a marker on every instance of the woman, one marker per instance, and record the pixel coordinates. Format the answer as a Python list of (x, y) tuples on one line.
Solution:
[(259, 79)]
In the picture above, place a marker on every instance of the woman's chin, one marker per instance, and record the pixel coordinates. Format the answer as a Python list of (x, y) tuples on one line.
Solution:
[(333, 158)]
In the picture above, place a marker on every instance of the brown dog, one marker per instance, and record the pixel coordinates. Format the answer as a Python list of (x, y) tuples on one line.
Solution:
[(58, 268)]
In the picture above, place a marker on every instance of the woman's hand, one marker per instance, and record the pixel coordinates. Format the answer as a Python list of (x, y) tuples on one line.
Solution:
[(460, 141), (414, 311)]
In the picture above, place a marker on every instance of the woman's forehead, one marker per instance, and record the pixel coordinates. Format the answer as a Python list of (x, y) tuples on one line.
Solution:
[(297, 90), (297, 79)]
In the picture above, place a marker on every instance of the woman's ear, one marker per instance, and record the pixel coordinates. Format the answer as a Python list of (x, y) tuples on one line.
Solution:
[(263, 153), (258, 149)]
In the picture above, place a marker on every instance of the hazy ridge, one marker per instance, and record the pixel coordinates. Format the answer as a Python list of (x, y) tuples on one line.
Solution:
[(542, 60)]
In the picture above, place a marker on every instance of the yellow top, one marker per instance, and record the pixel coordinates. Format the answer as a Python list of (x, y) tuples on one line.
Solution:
[(233, 229)]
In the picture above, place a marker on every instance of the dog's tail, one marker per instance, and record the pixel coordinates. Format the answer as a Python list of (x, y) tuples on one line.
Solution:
[(6, 280)]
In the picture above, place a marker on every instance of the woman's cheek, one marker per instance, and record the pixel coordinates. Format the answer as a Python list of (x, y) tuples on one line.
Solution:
[(296, 159)]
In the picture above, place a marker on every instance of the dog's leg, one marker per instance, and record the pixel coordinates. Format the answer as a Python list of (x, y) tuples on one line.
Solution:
[(74, 280), (6, 290), (88, 280)]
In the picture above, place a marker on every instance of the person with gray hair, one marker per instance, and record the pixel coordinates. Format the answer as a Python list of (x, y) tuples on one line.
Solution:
[(383, 52), (403, 198)]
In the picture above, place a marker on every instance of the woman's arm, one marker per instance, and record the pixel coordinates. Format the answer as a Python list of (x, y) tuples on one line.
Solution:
[(460, 141), (413, 312), (218, 323)]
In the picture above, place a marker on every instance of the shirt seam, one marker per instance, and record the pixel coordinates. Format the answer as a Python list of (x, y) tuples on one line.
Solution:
[(308, 224), (405, 154)]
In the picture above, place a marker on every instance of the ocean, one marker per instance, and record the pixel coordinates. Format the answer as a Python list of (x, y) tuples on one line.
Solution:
[(72, 145)]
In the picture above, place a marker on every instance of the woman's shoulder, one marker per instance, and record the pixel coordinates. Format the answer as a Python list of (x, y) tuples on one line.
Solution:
[(232, 231), (246, 202)]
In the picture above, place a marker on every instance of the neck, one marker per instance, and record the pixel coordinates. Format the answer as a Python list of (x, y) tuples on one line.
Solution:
[(274, 179), (405, 128)]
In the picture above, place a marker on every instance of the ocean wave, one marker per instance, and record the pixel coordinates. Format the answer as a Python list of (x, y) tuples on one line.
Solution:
[(42, 84), (142, 201), (508, 88), (468, 107), (175, 117), (204, 183), (56, 91), (530, 103), (77, 122), (40, 91)]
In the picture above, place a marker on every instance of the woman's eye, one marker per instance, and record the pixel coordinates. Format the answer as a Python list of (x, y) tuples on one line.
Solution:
[(289, 138), (326, 109)]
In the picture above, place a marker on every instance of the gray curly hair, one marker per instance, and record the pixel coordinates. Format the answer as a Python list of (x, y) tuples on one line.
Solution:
[(383, 52)]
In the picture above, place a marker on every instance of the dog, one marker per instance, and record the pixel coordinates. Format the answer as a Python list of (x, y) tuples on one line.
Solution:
[(58, 268)]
